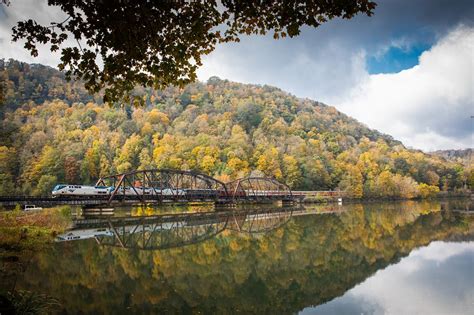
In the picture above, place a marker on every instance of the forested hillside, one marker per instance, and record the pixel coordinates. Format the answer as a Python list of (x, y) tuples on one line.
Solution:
[(53, 131)]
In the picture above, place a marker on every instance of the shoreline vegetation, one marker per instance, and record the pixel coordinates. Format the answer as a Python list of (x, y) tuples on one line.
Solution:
[(29, 231)]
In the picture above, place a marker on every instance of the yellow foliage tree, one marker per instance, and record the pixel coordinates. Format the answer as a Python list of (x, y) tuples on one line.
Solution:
[(292, 170), (268, 162), (157, 117), (237, 167), (427, 191), (352, 182)]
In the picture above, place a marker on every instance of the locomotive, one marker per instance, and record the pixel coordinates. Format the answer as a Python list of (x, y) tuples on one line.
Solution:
[(81, 190)]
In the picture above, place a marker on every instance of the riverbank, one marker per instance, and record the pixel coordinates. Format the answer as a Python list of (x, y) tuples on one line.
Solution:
[(20, 230), (338, 197)]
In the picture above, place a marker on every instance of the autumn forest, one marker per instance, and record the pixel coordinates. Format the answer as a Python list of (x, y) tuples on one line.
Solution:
[(53, 132)]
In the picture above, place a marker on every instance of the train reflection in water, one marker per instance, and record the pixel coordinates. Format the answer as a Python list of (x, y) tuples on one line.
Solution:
[(175, 230)]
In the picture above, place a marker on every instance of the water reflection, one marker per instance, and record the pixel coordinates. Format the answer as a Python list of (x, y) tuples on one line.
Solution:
[(265, 262), (437, 279), (156, 232)]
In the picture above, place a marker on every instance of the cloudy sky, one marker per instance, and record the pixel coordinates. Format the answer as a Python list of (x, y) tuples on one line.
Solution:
[(406, 71)]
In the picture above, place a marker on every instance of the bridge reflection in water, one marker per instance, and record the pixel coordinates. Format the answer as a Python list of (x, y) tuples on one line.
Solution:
[(176, 230)]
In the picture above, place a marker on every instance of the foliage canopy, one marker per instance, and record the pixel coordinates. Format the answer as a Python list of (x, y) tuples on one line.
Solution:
[(161, 43)]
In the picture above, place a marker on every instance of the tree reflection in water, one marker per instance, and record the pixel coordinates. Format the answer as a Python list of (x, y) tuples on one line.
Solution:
[(295, 262)]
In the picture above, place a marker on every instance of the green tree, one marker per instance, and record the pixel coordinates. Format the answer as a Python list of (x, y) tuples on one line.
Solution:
[(45, 185), (6, 184), (249, 115)]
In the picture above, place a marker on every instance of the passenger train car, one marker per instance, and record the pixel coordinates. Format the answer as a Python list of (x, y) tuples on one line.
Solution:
[(84, 191)]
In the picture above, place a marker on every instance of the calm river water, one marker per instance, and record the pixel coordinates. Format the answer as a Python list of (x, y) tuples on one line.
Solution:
[(384, 258)]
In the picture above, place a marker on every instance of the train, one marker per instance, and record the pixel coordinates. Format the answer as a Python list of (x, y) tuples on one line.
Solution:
[(81, 234), (84, 191), (66, 190)]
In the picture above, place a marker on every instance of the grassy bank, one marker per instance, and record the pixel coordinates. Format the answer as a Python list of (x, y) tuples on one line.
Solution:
[(21, 230)]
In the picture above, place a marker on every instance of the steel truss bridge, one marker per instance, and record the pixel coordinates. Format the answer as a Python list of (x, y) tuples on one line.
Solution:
[(176, 230), (169, 186)]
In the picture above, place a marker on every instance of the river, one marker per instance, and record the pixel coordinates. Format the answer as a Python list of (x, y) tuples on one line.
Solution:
[(378, 258)]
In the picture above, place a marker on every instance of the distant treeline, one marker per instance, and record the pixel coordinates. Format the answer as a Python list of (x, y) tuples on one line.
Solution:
[(53, 132)]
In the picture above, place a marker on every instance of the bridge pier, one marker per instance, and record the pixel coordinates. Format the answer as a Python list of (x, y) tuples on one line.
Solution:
[(97, 210)]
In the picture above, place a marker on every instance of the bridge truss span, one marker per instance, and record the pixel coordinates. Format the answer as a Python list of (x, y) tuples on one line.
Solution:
[(259, 189), (163, 185)]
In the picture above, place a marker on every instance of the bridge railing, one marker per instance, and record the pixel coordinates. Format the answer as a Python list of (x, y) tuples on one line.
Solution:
[(327, 193)]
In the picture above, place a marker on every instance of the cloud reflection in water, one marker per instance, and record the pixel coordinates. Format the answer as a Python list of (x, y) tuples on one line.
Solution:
[(437, 279)]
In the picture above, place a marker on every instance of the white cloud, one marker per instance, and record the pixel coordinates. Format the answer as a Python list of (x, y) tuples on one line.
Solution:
[(316, 67), (441, 251), (428, 106), (20, 10)]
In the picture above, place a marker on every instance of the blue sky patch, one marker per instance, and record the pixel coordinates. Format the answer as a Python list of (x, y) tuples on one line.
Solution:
[(395, 59)]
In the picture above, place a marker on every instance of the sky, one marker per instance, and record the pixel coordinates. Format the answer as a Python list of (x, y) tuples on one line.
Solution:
[(406, 71)]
